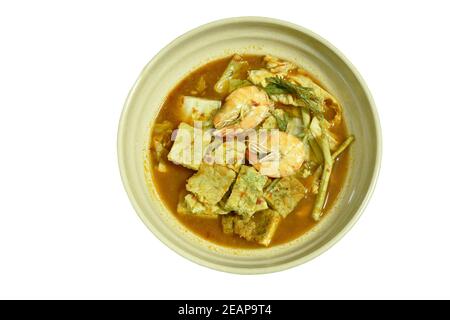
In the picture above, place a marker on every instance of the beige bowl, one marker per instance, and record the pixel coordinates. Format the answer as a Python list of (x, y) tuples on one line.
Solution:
[(250, 35)]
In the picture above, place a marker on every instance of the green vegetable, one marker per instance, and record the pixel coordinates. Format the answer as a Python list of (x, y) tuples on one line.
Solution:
[(343, 146), (316, 179), (277, 86), (234, 84), (295, 127), (326, 173), (161, 141), (307, 169), (232, 71), (319, 171), (315, 147), (306, 118), (199, 109), (282, 119), (270, 123)]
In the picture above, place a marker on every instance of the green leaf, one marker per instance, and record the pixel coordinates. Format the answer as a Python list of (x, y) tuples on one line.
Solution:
[(277, 85), (272, 88)]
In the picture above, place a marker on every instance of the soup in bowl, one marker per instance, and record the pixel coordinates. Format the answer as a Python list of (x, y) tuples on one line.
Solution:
[(249, 145)]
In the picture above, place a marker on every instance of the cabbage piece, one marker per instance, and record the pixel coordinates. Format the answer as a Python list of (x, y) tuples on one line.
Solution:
[(258, 77), (315, 128), (200, 87), (327, 99), (316, 131), (199, 109), (295, 127), (290, 93), (161, 143), (235, 68), (278, 66)]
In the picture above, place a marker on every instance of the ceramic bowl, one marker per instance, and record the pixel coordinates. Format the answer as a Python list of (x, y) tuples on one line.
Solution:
[(251, 35)]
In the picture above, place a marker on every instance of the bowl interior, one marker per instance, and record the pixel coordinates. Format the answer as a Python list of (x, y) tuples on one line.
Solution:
[(252, 36)]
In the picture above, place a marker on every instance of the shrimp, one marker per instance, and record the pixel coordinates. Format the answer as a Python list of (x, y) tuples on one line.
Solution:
[(284, 153), (243, 109)]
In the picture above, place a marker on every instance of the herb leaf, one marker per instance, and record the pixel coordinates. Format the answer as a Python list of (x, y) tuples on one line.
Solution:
[(277, 85)]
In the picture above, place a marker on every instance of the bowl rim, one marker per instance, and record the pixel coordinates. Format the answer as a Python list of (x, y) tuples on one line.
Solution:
[(239, 270)]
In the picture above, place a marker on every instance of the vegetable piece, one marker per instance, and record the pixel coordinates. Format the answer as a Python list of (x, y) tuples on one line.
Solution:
[(314, 138), (314, 189), (284, 194), (315, 128), (259, 228), (161, 143), (189, 146), (326, 173), (237, 83), (278, 66), (295, 127), (247, 192), (284, 89), (306, 117), (189, 204), (259, 76), (270, 123), (201, 85), (316, 151), (281, 117), (324, 96), (318, 172), (307, 169), (210, 183), (344, 145), (289, 93), (198, 109), (235, 67), (162, 128), (332, 139)]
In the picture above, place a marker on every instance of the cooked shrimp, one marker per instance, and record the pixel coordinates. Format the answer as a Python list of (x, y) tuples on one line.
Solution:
[(243, 109), (285, 154)]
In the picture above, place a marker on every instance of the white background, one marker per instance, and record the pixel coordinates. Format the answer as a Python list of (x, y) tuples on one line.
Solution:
[(67, 229)]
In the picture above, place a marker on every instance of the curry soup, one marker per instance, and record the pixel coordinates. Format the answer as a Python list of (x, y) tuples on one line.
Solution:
[(171, 182)]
